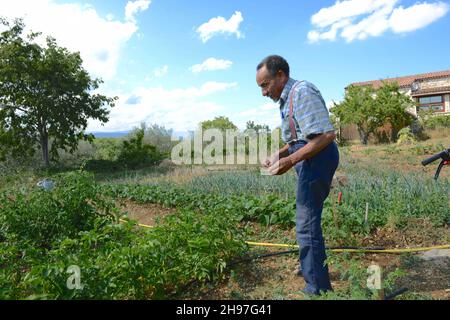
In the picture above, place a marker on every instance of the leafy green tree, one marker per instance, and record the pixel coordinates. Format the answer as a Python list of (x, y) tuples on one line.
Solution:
[(222, 123), (359, 107), (392, 106), (158, 136), (369, 109), (258, 128), (45, 95)]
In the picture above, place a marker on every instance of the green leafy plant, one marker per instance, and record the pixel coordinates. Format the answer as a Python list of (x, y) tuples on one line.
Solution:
[(435, 121), (355, 275), (135, 153), (405, 136), (44, 233), (43, 217)]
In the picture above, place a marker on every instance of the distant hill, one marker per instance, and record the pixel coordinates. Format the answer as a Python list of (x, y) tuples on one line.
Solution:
[(113, 134), (120, 134)]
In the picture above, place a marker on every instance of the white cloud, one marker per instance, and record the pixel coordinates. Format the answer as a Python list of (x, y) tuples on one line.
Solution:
[(180, 109), (133, 7), (268, 114), (360, 19), (78, 28), (417, 16), (211, 64), (374, 25), (212, 87), (315, 36), (219, 25), (160, 72), (348, 9)]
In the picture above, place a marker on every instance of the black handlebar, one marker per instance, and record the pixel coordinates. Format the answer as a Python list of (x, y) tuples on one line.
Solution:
[(445, 155)]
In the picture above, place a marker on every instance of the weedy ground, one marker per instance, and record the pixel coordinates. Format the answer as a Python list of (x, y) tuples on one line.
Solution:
[(273, 278), (406, 208)]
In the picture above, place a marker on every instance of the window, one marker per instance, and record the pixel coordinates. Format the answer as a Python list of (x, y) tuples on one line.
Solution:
[(434, 103)]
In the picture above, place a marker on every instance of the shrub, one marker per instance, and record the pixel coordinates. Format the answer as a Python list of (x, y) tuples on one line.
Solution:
[(43, 217), (107, 148), (433, 122), (135, 153), (405, 136)]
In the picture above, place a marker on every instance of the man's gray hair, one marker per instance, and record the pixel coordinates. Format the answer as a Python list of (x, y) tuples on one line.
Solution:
[(273, 64)]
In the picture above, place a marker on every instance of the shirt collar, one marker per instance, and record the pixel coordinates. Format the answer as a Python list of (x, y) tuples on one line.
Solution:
[(286, 90)]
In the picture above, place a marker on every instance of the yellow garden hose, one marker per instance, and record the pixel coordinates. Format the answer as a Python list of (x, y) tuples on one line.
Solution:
[(139, 224), (294, 246)]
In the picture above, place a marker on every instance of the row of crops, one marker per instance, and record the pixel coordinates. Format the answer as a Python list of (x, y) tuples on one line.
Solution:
[(369, 201), (43, 234)]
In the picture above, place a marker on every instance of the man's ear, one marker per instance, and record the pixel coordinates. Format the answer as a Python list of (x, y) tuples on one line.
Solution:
[(281, 74)]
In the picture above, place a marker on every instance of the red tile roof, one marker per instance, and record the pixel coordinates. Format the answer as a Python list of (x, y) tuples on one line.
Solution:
[(405, 81)]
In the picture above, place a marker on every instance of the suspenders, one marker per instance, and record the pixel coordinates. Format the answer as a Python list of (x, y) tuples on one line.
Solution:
[(291, 111)]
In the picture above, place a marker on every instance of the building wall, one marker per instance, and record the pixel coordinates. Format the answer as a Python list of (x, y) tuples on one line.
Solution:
[(428, 84), (447, 103), (435, 83)]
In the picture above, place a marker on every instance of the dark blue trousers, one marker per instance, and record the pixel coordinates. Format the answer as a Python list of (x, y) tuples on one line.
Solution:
[(314, 181)]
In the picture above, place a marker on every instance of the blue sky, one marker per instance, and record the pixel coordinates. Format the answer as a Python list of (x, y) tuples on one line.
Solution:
[(146, 51)]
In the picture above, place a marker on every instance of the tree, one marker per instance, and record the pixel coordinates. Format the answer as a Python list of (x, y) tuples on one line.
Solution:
[(159, 136), (359, 108), (258, 128), (393, 106), (257, 131), (222, 123), (277, 133), (45, 94), (369, 109)]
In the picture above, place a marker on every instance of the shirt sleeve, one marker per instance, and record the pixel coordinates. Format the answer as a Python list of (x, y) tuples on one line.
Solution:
[(311, 112)]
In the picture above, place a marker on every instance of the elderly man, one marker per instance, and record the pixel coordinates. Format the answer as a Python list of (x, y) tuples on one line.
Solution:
[(310, 148)]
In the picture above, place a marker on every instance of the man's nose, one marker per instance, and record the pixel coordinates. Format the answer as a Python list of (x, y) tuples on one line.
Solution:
[(264, 92)]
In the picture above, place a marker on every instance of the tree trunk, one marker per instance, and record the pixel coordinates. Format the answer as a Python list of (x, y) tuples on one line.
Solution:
[(394, 133), (44, 147), (363, 136)]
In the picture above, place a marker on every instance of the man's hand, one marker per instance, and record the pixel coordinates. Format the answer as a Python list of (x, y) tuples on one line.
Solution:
[(270, 161), (282, 166)]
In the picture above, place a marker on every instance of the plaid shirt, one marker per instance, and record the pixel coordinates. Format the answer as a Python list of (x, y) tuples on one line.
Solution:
[(310, 113)]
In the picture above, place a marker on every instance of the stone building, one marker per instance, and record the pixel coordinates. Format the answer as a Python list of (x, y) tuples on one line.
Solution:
[(429, 90)]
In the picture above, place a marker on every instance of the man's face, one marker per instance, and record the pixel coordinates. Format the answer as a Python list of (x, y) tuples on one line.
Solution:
[(271, 87)]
